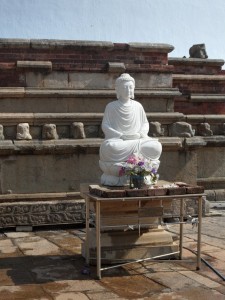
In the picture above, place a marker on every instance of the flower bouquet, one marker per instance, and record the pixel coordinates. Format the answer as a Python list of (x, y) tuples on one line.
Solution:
[(140, 171)]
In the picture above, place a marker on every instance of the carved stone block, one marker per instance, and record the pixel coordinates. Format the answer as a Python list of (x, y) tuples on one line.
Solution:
[(77, 130), (198, 51), (181, 129), (2, 137), (36, 213), (204, 129), (49, 132), (23, 132), (155, 129)]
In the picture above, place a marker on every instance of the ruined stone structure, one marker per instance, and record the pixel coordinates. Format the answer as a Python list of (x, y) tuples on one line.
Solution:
[(60, 89)]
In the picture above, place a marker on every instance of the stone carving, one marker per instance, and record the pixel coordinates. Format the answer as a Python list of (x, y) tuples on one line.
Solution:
[(16, 214), (49, 132), (198, 51), (126, 127), (23, 132), (77, 130), (156, 129), (2, 137), (204, 129), (181, 129)]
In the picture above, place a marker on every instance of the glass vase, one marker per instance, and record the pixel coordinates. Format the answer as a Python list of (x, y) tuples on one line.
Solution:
[(136, 181)]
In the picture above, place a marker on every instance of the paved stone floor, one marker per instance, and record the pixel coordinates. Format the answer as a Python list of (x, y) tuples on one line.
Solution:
[(47, 264)]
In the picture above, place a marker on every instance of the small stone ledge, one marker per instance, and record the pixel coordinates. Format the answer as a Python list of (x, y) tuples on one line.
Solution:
[(14, 92), (52, 44), (15, 43), (198, 77), (39, 197), (195, 142), (115, 67), (69, 44), (212, 119), (63, 146), (150, 47), (165, 118), (195, 61), (66, 118), (172, 143), (71, 93), (37, 65), (215, 141), (91, 145), (72, 146), (207, 98)]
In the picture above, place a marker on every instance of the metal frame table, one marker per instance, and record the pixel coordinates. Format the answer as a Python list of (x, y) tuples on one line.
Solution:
[(98, 200)]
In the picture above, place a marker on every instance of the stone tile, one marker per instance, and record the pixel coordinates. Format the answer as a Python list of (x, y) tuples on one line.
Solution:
[(133, 286), (103, 296), (198, 293), (7, 247), (55, 272), (15, 276), (221, 289), (68, 243), (22, 292), (172, 280), (200, 279), (71, 296), (36, 246), (16, 235), (66, 286)]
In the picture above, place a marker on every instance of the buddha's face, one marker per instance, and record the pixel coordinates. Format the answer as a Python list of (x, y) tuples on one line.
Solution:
[(125, 91)]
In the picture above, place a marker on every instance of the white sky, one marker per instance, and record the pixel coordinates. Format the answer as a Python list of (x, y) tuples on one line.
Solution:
[(180, 23)]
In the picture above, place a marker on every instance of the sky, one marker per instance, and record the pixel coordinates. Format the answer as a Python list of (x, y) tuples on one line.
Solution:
[(180, 23)]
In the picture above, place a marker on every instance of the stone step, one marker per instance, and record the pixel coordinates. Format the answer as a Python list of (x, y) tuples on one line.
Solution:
[(66, 100), (197, 77), (18, 92), (207, 98), (74, 146)]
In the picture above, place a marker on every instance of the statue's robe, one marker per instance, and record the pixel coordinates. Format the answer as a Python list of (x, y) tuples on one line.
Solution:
[(122, 123)]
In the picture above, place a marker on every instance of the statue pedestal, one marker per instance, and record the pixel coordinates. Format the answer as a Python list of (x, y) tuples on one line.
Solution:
[(124, 246)]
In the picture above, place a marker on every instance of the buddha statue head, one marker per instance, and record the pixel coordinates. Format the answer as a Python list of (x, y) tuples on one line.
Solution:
[(125, 85)]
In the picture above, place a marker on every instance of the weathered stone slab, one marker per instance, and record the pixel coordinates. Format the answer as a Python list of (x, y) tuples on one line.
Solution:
[(150, 47), (38, 213), (38, 65)]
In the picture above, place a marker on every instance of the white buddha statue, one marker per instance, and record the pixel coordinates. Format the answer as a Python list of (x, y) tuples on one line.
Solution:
[(126, 127)]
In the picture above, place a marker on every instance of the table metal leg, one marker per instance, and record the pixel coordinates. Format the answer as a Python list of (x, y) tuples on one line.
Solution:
[(199, 233), (87, 249), (98, 239), (181, 227)]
